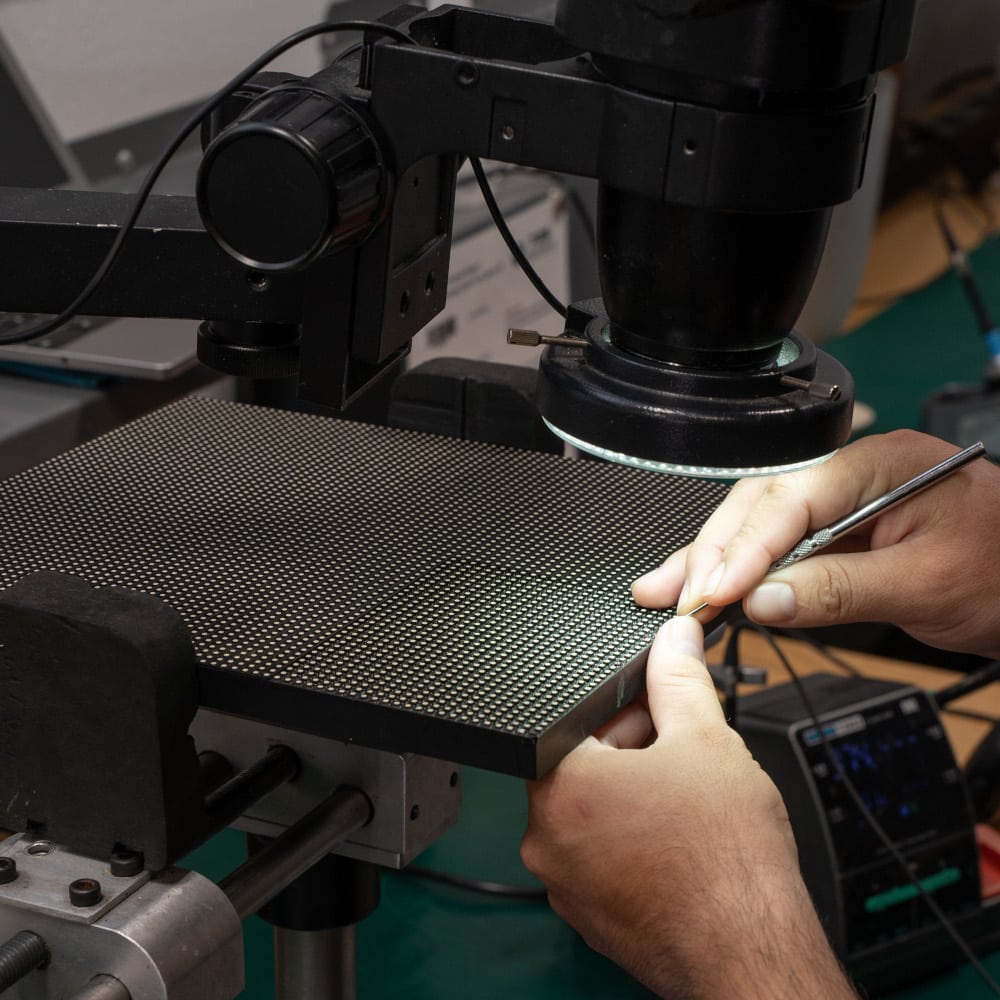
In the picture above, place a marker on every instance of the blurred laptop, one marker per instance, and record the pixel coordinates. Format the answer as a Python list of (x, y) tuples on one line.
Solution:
[(34, 155)]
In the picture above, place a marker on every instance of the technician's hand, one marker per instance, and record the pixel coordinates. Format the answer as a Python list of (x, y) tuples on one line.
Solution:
[(929, 565), (667, 847)]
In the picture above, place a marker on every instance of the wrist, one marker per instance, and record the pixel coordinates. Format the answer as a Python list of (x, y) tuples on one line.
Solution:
[(763, 938)]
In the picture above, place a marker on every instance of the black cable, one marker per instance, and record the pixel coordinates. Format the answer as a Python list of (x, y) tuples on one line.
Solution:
[(873, 823), (573, 196), (971, 682), (961, 198), (142, 195), (508, 237), (824, 650), (821, 647), (731, 674), (477, 885), (347, 53), (960, 267), (983, 224), (967, 713)]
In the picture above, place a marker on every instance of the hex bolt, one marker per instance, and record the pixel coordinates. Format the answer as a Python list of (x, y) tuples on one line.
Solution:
[(125, 864), (8, 870), (85, 892)]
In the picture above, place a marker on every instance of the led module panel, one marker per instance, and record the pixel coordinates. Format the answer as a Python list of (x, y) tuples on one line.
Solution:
[(398, 590)]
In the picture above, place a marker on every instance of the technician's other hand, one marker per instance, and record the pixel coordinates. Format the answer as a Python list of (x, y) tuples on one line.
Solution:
[(666, 846), (929, 565)]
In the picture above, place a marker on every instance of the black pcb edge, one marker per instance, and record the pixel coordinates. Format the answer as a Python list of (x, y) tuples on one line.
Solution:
[(397, 731), (378, 727), (602, 704)]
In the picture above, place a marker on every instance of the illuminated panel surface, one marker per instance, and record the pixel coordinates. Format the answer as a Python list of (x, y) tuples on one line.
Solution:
[(399, 590)]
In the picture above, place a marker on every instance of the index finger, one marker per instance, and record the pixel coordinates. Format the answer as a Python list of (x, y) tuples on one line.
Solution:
[(793, 505), (706, 554), (691, 565)]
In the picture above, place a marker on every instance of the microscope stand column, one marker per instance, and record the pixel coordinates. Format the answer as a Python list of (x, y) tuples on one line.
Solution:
[(317, 964), (314, 921)]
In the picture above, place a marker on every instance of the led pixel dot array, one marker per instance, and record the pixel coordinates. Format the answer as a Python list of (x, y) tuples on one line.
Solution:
[(452, 587)]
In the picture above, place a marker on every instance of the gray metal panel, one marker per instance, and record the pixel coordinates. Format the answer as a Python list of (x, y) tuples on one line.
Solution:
[(399, 590)]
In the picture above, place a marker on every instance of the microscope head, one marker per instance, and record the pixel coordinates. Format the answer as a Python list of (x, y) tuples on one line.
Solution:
[(721, 134), (691, 363)]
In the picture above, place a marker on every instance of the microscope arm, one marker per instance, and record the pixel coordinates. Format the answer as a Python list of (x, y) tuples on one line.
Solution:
[(536, 102), (51, 242)]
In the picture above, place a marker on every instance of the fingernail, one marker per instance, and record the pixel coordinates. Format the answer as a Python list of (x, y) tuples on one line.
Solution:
[(684, 635), (772, 602), (694, 593)]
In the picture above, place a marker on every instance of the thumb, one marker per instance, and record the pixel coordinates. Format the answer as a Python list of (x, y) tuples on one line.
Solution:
[(829, 589), (677, 681)]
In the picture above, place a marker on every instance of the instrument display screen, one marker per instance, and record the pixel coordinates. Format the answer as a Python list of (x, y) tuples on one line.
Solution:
[(898, 758)]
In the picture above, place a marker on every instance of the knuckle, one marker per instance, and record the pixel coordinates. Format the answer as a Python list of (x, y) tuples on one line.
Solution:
[(904, 437), (781, 502), (531, 855), (912, 441), (700, 553), (537, 852), (779, 489), (750, 488), (835, 594), (542, 814)]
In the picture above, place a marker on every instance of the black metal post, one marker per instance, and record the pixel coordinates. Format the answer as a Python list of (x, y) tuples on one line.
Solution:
[(261, 878), (103, 988), (236, 796), (316, 965), (314, 920)]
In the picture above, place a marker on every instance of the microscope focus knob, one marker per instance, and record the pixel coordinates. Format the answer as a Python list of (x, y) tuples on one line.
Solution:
[(298, 172), (249, 350)]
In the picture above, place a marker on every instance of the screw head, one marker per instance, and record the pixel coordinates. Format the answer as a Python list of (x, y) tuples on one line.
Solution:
[(85, 892), (8, 870), (467, 74), (124, 864)]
